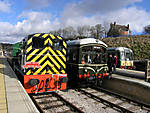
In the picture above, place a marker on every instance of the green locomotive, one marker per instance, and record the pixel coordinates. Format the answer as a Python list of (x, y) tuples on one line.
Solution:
[(86, 61)]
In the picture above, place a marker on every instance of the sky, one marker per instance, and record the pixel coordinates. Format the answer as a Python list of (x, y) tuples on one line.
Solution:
[(18, 18)]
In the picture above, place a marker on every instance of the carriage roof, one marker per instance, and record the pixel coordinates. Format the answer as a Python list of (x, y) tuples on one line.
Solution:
[(119, 48), (86, 41)]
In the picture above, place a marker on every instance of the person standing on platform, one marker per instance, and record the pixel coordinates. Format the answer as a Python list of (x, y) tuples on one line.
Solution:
[(114, 63), (110, 64)]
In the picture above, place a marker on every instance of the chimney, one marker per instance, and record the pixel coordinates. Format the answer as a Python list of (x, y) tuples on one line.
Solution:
[(114, 23), (128, 26)]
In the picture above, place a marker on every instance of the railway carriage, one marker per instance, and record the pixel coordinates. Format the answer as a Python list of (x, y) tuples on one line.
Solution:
[(124, 57), (82, 67), (41, 58)]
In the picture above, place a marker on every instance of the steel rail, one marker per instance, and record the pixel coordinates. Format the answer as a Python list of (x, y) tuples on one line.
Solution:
[(105, 101), (37, 104), (74, 108), (142, 104), (65, 102)]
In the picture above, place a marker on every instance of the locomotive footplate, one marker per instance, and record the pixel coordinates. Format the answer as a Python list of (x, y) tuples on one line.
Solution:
[(45, 83)]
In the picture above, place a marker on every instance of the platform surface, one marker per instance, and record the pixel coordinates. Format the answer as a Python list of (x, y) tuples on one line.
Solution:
[(13, 97), (131, 76), (131, 73)]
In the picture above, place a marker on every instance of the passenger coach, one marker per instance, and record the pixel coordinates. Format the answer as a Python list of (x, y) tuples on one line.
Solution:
[(86, 61), (124, 57)]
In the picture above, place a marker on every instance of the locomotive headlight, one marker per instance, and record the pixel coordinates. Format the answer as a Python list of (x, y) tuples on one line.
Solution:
[(64, 80), (33, 82), (85, 70)]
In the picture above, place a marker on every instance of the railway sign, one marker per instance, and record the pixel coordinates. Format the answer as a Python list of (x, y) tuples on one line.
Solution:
[(32, 65)]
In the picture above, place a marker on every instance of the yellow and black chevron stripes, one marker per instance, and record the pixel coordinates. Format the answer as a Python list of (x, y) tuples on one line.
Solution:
[(33, 53), (57, 57), (44, 65), (63, 57), (48, 41), (37, 35), (29, 41), (51, 61)]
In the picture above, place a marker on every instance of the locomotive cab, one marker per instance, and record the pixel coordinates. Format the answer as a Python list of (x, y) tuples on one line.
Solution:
[(86, 61)]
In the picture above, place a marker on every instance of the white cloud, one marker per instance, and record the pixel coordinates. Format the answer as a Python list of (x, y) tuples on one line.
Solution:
[(106, 11), (32, 22), (92, 7), (4, 6)]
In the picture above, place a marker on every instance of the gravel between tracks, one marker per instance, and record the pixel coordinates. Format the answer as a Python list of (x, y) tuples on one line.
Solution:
[(85, 103)]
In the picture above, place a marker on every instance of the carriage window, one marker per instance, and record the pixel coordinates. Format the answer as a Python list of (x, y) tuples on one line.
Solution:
[(58, 44), (122, 55), (128, 55), (86, 55), (37, 43), (93, 55), (99, 55)]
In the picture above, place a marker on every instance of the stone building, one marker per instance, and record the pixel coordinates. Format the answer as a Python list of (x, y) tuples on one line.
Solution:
[(118, 30)]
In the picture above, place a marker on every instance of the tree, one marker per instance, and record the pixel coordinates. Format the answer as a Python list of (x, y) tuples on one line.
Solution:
[(147, 29), (99, 30), (80, 30), (92, 31), (68, 32), (106, 26), (83, 31)]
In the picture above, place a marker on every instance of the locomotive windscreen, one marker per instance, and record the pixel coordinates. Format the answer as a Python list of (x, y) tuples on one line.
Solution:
[(38, 43), (129, 55), (94, 54)]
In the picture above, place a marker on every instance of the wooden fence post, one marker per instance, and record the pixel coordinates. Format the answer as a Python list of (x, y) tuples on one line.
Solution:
[(147, 71)]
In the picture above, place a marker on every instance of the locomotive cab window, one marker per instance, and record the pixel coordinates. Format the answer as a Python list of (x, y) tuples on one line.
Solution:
[(129, 55), (86, 55), (57, 44), (37, 43), (98, 54), (93, 55)]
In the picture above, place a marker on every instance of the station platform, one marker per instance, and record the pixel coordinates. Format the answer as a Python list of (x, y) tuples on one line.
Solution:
[(129, 83), (13, 97), (130, 73)]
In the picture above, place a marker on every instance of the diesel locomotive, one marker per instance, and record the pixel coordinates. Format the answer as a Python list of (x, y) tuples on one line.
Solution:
[(124, 57), (86, 61), (41, 58)]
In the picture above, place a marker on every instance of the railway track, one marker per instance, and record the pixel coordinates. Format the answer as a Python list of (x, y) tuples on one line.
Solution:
[(114, 101), (54, 103), (141, 104)]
